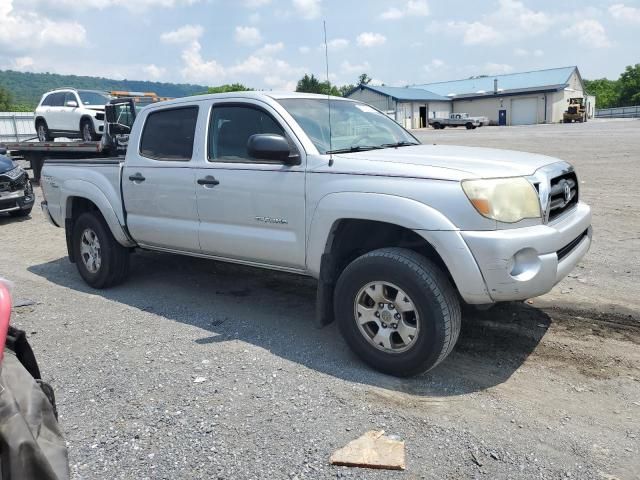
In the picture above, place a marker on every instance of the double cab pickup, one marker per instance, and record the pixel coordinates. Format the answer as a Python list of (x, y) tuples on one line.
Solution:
[(398, 234)]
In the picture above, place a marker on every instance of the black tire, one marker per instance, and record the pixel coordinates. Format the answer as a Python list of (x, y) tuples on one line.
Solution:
[(42, 130), (21, 213), (87, 131), (469, 126), (114, 265), (437, 126), (434, 298)]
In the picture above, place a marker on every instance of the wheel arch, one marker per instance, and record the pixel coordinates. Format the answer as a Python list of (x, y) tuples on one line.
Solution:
[(81, 197), (83, 118)]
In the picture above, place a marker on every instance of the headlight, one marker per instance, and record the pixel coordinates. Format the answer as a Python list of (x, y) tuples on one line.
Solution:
[(506, 200)]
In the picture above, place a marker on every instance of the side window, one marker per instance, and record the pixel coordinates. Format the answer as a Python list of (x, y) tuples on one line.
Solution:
[(47, 100), (69, 97), (230, 129), (168, 134), (56, 99)]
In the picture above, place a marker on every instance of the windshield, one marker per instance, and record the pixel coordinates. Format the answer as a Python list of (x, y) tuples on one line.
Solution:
[(93, 98), (354, 126)]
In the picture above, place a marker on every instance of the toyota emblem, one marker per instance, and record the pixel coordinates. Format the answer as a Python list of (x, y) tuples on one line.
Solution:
[(567, 192)]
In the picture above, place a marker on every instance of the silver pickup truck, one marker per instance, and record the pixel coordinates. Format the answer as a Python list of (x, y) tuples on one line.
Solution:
[(397, 234)]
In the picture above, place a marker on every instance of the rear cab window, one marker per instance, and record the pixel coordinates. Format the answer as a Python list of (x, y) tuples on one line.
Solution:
[(168, 134)]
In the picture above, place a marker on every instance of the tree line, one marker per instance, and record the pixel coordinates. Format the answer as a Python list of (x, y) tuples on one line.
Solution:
[(623, 92)]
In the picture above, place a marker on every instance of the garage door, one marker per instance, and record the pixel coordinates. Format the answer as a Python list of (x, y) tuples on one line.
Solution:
[(524, 111)]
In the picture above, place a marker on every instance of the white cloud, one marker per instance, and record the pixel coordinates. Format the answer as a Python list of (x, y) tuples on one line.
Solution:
[(392, 13), (22, 63), (625, 14), (511, 21), (415, 8), (336, 44), (307, 8), (523, 52), (588, 32), (186, 33), (269, 49), (347, 67), (132, 5), (196, 69), (370, 39), (491, 68), (154, 72), (247, 35), (255, 3), (28, 30), (434, 65)]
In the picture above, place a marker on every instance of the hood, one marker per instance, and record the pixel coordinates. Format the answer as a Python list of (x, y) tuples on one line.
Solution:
[(6, 164), (444, 162), (99, 108)]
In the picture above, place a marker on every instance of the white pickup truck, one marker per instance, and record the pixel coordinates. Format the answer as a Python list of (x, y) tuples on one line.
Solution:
[(396, 233), (458, 120)]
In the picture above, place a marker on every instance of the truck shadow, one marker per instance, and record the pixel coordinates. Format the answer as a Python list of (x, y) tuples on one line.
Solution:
[(275, 311)]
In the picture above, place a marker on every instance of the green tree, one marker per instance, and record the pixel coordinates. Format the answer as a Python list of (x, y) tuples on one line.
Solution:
[(629, 86), (605, 90), (233, 87), (364, 79), (346, 89), (5, 100), (310, 84)]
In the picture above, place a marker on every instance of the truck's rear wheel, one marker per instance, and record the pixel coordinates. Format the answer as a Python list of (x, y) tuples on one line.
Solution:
[(101, 260), (43, 131), (397, 311), (469, 126), (87, 131), (437, 126)]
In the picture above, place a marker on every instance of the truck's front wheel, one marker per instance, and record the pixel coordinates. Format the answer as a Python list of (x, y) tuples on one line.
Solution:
[(397, 311), (101, 260)]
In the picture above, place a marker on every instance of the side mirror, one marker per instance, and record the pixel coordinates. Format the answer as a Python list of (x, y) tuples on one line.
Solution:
[(271, 147), (72, 103)]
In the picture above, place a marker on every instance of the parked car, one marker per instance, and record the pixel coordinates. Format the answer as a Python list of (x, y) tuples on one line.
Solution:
[(396, 232), (456, 120), (71, 113), (16, 192)]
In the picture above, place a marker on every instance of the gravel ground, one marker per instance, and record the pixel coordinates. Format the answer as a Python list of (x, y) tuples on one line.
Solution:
[(197, 369)]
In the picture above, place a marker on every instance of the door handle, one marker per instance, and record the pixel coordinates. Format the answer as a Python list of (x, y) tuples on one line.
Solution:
[(137, 177), (208, 180)]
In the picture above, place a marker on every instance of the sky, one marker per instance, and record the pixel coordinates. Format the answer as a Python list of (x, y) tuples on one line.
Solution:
[(270, 44)]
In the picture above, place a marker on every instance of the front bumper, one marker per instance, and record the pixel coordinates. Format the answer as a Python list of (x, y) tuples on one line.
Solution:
[(17, 200), (527, 262)]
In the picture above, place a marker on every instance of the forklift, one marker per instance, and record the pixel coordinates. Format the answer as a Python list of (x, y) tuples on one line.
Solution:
[(576, 111)]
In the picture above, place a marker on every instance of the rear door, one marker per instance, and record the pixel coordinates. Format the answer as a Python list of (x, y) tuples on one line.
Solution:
[(158, 180), (54, 116), (250, 209)]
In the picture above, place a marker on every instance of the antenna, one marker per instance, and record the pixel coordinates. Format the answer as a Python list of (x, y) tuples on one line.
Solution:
[(326, 58)]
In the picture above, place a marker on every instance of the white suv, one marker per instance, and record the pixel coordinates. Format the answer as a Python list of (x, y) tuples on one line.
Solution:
[(68, 112)]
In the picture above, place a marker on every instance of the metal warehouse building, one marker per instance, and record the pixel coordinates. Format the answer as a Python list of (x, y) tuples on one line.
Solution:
[(512, 99), (408, 106)]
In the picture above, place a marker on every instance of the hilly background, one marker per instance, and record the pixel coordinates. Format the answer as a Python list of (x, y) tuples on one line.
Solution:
[(26, 88)]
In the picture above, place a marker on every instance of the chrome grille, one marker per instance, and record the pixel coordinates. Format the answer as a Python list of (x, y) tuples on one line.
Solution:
[(563, 194)]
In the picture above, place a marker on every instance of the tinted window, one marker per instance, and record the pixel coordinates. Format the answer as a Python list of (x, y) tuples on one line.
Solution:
[(93, 98), (56, 99), (230, 129), (168, 134), (70, 97), (47, 100)]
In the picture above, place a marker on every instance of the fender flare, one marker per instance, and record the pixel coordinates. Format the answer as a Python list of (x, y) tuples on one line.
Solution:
[(93, 193), (392, 209)]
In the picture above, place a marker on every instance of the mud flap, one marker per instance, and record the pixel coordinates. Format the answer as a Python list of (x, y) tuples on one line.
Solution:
[(324, 295)]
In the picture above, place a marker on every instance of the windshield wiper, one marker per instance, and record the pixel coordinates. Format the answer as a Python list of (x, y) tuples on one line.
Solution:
[(399, 144), (356, 148)]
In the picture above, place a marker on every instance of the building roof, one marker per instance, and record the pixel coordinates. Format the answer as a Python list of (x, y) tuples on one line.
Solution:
[(404, 93), (550, 79)]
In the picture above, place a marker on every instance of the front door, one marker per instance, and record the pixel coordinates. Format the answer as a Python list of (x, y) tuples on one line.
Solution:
[(250, 209), (502, 117), (159, 184)]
